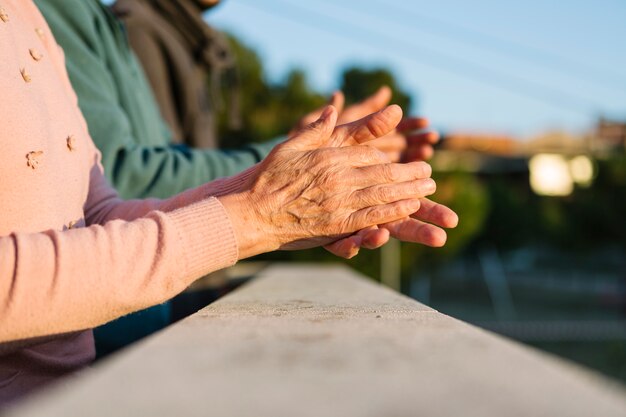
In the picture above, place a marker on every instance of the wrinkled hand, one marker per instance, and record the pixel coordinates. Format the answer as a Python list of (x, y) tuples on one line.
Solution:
[(423, 227), (318, 187), (410, 141)]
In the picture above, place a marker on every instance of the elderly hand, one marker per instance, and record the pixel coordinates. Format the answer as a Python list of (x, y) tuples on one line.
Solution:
[(424, 227), (314, 189), (410, 141)]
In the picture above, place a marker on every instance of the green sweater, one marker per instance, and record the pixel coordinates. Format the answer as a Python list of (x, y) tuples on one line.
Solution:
[(123, 118)]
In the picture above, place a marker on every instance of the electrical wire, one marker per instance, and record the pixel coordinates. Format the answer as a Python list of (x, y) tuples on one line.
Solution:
[(431, 57), (582, 70)]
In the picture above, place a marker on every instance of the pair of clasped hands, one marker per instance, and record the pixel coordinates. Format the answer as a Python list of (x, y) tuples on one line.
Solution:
[(345, 179)]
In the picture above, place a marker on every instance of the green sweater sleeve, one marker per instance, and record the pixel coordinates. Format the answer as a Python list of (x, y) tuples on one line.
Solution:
[(122, 116)]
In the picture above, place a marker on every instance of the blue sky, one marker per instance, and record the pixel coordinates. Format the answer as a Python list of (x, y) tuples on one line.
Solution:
[(507, 67)]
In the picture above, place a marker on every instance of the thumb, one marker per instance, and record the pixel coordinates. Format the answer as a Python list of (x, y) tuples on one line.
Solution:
[(379, 99), (372, 104), (337, 100), (316, 134), (371, 127)]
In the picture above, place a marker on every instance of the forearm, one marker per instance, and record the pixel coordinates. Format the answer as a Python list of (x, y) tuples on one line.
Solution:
[(104, 204), (55, 282), (132, 255), (140, 171)]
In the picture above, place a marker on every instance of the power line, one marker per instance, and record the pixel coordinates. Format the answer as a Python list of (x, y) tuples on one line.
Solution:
[(459, 33), (459, 67), (345, 11)]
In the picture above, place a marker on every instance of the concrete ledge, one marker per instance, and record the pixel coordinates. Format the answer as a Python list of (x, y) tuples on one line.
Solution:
[(318, 341)]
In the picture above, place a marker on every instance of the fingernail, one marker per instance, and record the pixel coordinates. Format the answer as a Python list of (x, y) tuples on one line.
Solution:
[(429, 185), (415, 205), (454, 221), (428, 169)]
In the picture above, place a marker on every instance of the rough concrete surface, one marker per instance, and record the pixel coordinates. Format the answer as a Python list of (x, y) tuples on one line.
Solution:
[(310, 340)]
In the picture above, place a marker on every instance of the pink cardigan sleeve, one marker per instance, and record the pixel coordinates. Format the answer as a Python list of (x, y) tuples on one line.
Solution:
[(132, 254)]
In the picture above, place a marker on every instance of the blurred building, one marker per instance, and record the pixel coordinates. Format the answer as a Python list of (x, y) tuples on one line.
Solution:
[(609, 136), (521, 276), (482, 143), (482, 154)]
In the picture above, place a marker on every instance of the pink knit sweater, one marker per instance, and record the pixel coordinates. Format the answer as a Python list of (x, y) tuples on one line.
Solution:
[(72, 254)]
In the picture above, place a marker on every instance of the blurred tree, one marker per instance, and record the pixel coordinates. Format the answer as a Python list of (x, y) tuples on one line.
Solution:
[(294, 98), (593, 215), (469, 198), (512, 214), (359, 83), (268, 109)]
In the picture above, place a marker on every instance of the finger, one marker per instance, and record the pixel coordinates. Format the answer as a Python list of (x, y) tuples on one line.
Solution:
[(392, 142), (394, 156), (371, 127), (437, 214), (372, 104), (413, 123), (381, 214), (345, 248), (413, 230), (418, 153), (353, 157), (316, 134), (389, 193), (390, 173), (308, 119), (373, 237), (430, 136), (338, 100), (376, 101)]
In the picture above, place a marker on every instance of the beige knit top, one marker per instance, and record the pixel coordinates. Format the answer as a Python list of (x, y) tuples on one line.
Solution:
[(72, 254)]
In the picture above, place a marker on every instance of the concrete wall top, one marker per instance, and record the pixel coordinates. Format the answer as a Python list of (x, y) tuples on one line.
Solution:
[(310, 340)]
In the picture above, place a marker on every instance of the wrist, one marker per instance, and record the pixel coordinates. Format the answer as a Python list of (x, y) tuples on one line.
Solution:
[(253, 235)]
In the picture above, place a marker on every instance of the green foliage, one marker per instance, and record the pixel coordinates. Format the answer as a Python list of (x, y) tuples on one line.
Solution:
[(589, 217), (469, 198), (358, 83), (592, 215), (512, 214), (268, 109)]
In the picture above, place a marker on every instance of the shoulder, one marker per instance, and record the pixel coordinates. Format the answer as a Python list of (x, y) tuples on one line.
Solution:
[(73, 19), (68, 10), (136, 13)]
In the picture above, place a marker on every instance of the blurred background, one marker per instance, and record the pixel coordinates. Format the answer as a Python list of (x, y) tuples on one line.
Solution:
[(530, 99)]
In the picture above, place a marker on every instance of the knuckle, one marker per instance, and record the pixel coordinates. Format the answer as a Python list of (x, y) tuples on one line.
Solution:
[(385, 194), (388, 173), (318, 158), (330, 205), (374, 214), (369, 155), (348, 225), (375, 127), (369, 152)]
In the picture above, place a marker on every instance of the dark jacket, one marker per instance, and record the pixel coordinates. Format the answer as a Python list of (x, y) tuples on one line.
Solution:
[(186, 62)]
